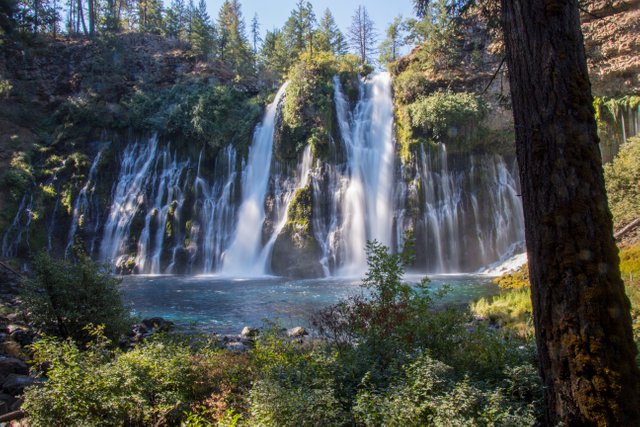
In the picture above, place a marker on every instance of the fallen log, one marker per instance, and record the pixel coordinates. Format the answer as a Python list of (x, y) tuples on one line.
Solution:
[(633, 224)]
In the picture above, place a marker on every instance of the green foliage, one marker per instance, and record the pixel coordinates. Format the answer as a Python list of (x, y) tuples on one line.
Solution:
[(427, 392), (622, 178), (197, 113), (5, 88), (63, 299), (446, 116), (295, 385), (438, 34), (19, 177), (409, 86), (149, 385), (307, 114), (510, 310)]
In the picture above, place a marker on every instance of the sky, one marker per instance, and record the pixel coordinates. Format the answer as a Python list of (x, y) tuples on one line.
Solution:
[(273, 13)]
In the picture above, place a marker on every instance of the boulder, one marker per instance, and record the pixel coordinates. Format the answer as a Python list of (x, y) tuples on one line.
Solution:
[(236, 346), (297, 332), (158, 324), (12, 365), (15, 384), (11, 348), (249, 332), (22, 337)]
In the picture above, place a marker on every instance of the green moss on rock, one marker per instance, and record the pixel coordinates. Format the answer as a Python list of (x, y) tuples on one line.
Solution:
[(296, 253)]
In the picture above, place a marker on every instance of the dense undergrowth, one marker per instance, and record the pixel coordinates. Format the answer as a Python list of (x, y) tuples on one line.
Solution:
[(387, 356)]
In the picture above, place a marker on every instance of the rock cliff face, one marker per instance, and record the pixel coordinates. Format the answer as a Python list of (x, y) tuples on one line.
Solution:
[(611, 31)]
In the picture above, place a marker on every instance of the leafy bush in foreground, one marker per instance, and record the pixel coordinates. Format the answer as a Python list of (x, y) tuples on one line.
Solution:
[(63, 298)]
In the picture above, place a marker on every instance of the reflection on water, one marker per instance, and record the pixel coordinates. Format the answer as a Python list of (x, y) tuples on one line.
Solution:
[(225, 305)]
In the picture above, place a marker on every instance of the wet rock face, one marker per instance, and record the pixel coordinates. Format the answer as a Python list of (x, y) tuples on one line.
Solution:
[(611, 32)]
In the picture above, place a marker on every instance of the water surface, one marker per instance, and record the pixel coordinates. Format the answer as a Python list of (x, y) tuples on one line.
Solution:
[(226, 305)]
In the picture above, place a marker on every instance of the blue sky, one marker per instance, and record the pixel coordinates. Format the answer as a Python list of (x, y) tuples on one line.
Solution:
[(273, 13)]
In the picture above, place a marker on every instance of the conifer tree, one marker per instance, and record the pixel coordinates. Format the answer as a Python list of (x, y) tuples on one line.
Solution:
[(201, 31), (233, 46)]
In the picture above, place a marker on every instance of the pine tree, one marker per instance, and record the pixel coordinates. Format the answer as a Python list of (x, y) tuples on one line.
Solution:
[(201, 31), (275, 58), (233, 46), (329, 37), (390, 47), (255, 34), (175, 20), (299, 29)]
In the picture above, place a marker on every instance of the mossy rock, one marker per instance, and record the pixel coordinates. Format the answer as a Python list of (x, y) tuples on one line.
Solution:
[(296, 253)]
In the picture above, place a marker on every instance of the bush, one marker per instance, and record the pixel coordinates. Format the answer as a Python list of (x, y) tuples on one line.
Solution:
[(446, 116), (63, 298), (622, 178), (295, 385), (409, 86), (427, 392), (197, 113), (149, 385)]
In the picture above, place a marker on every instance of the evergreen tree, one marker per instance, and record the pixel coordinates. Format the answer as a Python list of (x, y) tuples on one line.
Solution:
[(438, 33), (233, 46), (390, 47), (275, 58), (255, 33), (581, 314), (329, 38), (175, 20), (362, 35), (201, 35), (299, 29), (150, 16)]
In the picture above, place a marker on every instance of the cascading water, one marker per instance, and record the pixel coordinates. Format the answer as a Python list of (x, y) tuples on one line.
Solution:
[(19, 228), (364, 189), (230, 216), (217, 210), (84, 203), (471, 217), (243, 256), (282, 212), (169, 196)]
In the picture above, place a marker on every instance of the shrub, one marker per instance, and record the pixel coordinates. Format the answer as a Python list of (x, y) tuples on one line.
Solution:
[(444, 116), (427, 392), (409, 86), (149, 385), (63, 298), (622, 178), (295, 384)]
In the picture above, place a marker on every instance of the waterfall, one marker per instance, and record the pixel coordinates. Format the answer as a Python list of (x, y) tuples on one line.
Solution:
[(165, 215), (127, 198), (243, 255), (365, 188), (19, 227), (168, 195), (471, 217), (217, 209), (83, 203)]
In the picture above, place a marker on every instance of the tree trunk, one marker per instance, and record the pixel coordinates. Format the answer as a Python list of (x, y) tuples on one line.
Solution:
[(581, 313)]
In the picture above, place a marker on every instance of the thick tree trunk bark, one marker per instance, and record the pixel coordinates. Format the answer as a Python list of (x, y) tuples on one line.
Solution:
[(581, 312)]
